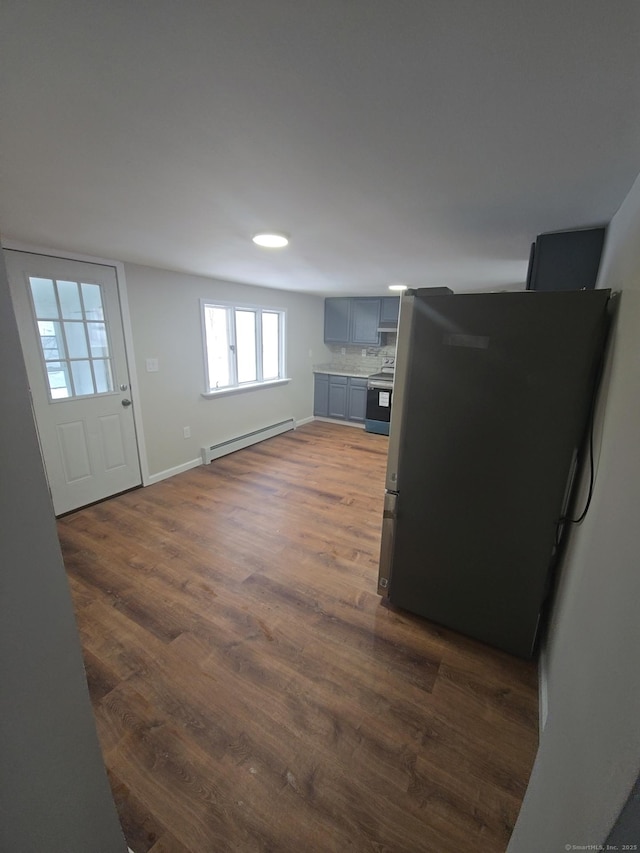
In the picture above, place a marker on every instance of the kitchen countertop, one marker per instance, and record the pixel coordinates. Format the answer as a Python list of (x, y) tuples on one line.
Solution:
[(340, 370)]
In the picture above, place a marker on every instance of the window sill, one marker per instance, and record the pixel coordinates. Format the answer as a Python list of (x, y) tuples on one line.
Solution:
[(239, 389)]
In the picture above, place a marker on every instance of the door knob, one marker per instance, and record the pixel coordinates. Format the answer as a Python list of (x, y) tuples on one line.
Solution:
[(126, 402)]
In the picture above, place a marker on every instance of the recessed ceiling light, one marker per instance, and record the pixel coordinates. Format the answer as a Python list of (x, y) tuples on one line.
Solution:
[(397, 287), (270, 240)]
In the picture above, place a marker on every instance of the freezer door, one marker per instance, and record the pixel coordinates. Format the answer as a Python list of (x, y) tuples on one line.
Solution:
[(496, 397)]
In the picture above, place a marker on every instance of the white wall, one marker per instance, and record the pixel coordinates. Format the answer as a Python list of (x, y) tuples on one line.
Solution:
[(54, 794), (165, 316), (589, 753)]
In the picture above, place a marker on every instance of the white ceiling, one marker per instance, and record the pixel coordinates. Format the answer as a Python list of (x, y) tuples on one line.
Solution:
[(423, 141)]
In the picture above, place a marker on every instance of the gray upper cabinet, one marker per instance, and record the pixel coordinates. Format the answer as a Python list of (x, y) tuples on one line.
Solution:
[(360, 319), (337, 319), (352, 320), (389, 310), (365, 316)]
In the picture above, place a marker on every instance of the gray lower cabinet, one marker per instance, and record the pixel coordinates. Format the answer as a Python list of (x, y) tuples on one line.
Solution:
[(321, 395), (340, 397), (357, 399)]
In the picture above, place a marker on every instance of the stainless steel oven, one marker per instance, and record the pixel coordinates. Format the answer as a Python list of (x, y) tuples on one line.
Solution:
[(379, 395)]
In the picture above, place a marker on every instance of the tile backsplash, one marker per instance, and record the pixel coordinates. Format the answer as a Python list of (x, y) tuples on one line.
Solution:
[(353, 358)]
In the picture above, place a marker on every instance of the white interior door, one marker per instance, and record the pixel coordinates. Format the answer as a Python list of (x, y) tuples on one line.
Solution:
[(72, 337)]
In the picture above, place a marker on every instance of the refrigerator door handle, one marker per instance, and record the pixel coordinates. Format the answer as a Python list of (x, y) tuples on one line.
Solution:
[(386, 545)]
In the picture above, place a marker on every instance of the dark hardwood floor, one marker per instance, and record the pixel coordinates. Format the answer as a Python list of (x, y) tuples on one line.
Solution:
[(251, 691)]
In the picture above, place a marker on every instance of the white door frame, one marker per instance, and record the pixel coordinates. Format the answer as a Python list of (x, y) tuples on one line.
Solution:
[(126, 325)]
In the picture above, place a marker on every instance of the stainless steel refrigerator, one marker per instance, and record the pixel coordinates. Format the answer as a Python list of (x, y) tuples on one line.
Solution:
[(492, 396)]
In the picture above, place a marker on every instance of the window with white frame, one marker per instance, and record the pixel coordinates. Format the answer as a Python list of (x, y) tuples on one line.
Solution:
[(244, 345)]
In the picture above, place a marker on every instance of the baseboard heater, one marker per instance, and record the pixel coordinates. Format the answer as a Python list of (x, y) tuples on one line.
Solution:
[(233, 444)]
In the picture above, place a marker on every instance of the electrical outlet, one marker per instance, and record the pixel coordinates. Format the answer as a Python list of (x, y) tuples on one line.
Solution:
[(186, 432), (343, 351), (364, 352), (152, 365)]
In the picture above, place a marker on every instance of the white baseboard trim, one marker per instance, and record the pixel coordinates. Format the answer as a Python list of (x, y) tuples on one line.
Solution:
[(171, 472), (305, 421), (338, 421), (193, 463), (239, 442)]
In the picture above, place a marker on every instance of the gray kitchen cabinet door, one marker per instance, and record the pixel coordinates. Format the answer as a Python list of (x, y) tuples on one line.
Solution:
[(389, 310), (365, 317), (321, 395), (357, 399), (337, 319), (338, 401)]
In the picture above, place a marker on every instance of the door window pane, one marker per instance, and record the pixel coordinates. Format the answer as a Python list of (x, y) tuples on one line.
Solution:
[(75, 352), (92, 298), (51, 340), (102, 371), (44, 298), (217, 338), (98, 340), (82, 378), (69, 296), (270, 346), (76, 340), (58, 378)]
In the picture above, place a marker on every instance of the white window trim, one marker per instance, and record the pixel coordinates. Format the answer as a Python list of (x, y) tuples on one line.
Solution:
[(247, 386), (244, 386)]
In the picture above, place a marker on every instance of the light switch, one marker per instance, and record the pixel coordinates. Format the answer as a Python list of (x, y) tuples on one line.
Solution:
[(152, 365)]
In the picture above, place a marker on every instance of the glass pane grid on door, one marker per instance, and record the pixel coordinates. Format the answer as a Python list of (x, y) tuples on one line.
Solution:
[(74, 340)]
